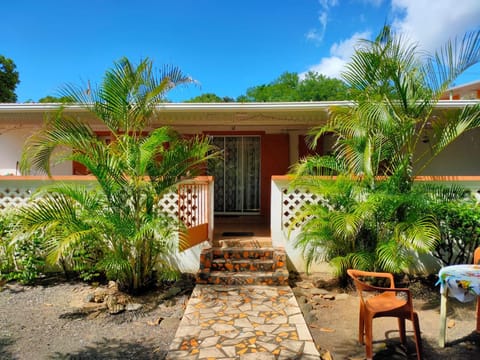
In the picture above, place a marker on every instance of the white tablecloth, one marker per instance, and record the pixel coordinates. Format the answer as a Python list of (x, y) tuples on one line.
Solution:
[(462, 281)]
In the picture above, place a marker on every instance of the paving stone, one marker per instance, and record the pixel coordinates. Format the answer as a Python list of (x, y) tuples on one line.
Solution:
[(275, 330)]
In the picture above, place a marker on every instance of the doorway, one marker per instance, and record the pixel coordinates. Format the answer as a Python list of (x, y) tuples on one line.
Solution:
[(237, 175)]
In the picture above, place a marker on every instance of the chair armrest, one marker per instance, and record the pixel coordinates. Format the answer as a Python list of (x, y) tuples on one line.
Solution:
[(383, 275)]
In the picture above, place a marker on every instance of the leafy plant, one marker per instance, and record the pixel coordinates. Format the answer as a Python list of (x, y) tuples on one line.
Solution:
[(117, 226), (459, 224), (24, 259), (377, 149)]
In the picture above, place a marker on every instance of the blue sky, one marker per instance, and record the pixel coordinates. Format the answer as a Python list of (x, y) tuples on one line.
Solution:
[(226, 45)]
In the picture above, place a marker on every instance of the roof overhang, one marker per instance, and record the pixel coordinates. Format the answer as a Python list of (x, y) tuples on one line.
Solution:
[(303, 114)]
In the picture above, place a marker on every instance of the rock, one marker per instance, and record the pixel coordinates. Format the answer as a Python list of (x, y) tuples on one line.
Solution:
[(301, 300), (451, 323), (170, 302), (170, 293), (299, 292), (306, 308), (305, 284), (310, 317), (342, 296), (329, 297), (113, 286), (133, 307), (317, 291), (89, 298), (99, 294), (113, 306)]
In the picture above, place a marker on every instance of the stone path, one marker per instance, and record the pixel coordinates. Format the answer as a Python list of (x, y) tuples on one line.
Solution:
[(243, 322)]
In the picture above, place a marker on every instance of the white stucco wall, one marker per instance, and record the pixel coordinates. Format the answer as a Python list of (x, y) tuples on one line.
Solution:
[(462, 157), (11, 147)]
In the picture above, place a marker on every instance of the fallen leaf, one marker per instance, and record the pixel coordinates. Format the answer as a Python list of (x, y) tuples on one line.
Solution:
[(155, 322), (324, 329)]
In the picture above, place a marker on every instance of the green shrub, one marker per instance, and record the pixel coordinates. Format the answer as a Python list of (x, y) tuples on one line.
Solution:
[(459, 224), (22, 259)]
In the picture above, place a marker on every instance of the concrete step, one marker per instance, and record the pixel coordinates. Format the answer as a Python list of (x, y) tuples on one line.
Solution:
[(276, 278), (246, 243), (242, 265)]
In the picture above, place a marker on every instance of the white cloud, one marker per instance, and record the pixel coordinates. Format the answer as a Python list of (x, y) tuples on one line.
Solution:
[(426, 22), (431, 23), (340, 52), (316, 35)]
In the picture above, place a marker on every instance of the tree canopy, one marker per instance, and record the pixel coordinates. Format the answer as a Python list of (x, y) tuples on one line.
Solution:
[(55, 99), (210, 98), (9, 79), (292, 87)]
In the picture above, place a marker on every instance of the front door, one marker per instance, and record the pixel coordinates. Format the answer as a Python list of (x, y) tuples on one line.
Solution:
[(237, 175)]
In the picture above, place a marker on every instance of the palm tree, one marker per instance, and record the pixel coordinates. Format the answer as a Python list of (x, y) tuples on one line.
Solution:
[(377, 141), (116, 225)]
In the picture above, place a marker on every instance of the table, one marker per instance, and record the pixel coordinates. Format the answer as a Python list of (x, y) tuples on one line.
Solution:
[(461, 282)]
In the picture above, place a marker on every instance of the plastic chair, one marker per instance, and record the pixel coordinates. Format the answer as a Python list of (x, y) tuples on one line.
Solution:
[(476, 260), (385, 304)]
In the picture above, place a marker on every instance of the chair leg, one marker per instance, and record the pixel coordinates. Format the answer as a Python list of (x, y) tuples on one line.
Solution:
[(369, 337), (361, 328), (401, 328), (418, 339), (478, 314)]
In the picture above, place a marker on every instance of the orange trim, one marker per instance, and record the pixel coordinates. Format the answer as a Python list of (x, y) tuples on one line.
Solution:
[(75, 178), (417, 178), (195, 236)]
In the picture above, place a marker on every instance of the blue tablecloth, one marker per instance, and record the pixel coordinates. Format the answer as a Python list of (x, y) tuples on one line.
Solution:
[(462, 281)]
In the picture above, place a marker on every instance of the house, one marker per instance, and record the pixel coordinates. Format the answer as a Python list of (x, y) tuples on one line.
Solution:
[(260, 141)]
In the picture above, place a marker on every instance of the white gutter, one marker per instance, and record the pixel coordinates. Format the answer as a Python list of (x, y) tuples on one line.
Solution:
[(271, 106)]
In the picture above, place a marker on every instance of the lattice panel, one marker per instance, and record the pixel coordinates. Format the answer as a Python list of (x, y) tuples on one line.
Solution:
[(14, 196), (192, 204), (293, 202), (169, 203)]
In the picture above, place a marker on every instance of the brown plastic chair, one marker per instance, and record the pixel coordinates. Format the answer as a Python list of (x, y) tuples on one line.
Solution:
[(385, 304), (476, 260)]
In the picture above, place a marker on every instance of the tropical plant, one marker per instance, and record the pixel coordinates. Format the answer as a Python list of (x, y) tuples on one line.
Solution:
[(378, 145), (116, 225), (459, 224), (24, 259)]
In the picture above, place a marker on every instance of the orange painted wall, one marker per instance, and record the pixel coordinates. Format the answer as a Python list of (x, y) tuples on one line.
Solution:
[(275, 160)]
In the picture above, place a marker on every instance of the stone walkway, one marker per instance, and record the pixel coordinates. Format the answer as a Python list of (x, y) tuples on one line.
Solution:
[(243, 322)]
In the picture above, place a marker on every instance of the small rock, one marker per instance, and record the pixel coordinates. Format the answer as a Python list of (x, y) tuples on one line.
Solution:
[(113, 286), (170, 302), (342, 296), (133, 307), (310, 317), (317, 291), (451, 323), (89, 298), (301, 300), (170, 293), (305, 285), (299, 292), (306, 308), (328, 297)]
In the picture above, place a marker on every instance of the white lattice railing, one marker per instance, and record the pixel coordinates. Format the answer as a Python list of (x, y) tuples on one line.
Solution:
[(191, 202), (286, 204)]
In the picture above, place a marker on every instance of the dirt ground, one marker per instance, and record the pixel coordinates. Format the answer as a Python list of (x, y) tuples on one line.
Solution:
[(49, 321), (336, 328)]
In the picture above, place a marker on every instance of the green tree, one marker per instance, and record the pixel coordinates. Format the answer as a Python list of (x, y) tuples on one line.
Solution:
[(55, 99), (9, 79), (396, 90), (290, 87), (210, 98), (132, 238)]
